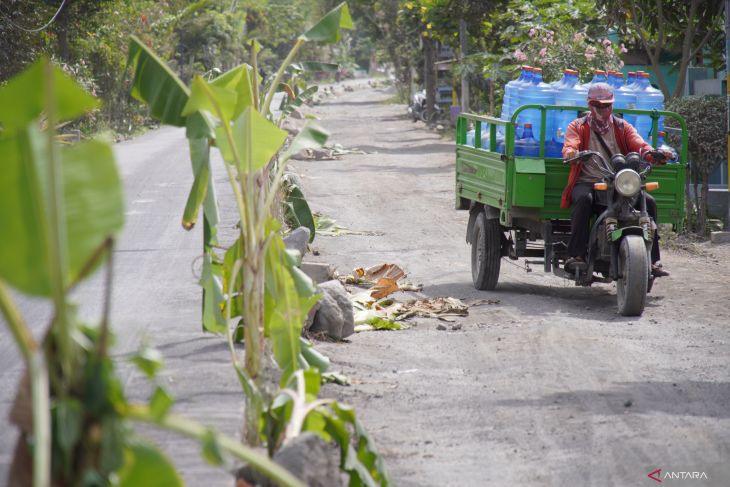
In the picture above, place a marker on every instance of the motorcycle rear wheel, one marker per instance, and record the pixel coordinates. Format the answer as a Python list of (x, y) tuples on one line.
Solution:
[(631, 288)]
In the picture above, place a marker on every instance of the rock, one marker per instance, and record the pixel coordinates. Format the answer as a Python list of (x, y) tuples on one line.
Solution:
[(307, 457), (440, 327), (311, 460), (318, 272), (335, 315), (298, 240)]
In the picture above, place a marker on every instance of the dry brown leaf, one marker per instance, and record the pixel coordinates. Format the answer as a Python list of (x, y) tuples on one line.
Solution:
[(384, 287)]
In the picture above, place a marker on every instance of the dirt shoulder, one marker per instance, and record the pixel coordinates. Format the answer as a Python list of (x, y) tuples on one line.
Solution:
[(547, 386)]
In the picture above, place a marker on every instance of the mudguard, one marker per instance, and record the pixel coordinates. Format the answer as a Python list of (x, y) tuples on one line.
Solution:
[(616, 235)]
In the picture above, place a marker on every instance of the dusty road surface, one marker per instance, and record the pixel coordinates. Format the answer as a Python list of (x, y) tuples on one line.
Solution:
[(549, 385)]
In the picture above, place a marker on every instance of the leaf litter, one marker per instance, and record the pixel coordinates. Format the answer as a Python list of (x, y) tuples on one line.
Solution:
[(374, 310)]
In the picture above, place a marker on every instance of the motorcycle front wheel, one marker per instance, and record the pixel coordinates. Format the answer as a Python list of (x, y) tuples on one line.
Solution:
[(631, 287)]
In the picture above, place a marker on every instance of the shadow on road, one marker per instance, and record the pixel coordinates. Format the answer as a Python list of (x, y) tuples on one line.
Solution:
[(687, 398)]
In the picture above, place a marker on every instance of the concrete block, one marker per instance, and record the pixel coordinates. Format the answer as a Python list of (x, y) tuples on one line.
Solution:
[(720, 237)]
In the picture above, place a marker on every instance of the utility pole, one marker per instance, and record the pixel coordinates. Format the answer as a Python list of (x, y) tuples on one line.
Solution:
[(464, 41)]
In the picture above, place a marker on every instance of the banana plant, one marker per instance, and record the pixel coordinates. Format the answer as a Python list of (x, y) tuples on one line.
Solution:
[(61, 208), (255, 286)]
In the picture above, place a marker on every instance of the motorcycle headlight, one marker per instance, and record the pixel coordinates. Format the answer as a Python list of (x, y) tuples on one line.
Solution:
[(627, 182)]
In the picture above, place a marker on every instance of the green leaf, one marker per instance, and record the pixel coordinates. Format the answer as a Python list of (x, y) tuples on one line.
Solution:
[(311, 136), (92, 204), (216, 100), (113, 435), (301, 213), (328, 28), (239, 80), (22, 99), (67, 422), (145, 464), (211, 281), (211, 449), (93, 200), (200, 159), (285, 310), (155, 84), (160, 403), (314, 66), (312, 383), (148, 360), (313, 357), (256, 140)]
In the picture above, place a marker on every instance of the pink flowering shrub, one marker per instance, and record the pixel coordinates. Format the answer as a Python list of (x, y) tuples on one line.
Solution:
[(554, 51)]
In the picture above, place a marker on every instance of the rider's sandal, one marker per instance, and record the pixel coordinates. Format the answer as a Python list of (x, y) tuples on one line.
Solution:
[(658, 271)]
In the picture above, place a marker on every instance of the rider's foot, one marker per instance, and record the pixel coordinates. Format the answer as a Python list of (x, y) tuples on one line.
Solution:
[(574, 262), (658, 271)]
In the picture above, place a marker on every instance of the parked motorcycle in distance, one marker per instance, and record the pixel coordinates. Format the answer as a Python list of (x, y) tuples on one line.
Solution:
[(418, 108)]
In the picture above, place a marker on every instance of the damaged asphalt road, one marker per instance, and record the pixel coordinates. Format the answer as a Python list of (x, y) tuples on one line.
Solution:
[(544, 383)]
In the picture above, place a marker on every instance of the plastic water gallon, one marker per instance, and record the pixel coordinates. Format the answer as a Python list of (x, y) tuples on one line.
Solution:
[(599, 76), (527, 145), (647, 98), (510, 91), (537, 93), (625, 97), (573, 94), (484, 138)]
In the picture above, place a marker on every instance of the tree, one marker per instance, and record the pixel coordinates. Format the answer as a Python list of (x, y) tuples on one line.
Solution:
[(676, 26)]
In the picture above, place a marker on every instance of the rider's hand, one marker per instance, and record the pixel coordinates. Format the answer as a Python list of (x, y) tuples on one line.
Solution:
[(570, 153), (669, 155)]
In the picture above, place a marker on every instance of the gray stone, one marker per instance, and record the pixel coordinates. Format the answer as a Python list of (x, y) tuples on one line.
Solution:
[(720, 237), (308, 458), (311, 460), (335, 316), (318, 272), (298, 240)]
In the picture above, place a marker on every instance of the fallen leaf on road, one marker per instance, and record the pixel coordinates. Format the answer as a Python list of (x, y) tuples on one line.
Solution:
[(384, 287)]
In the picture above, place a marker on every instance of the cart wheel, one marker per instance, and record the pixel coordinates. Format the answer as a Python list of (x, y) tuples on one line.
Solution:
[(486, 241)]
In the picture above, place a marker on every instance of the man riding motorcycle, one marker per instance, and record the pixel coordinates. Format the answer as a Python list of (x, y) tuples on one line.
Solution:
[(603, 132)]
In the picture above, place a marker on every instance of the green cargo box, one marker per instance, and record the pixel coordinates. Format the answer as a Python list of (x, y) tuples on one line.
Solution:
[(531, 187)]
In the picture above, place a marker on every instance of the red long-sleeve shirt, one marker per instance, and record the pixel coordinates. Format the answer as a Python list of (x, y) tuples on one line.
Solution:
[(577, 138)]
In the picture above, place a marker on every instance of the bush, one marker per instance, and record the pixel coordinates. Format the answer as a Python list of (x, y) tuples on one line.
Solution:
[(706, 118)]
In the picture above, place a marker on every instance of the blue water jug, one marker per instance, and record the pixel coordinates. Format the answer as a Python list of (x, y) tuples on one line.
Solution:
[(662, 145), (511, 95), (647, 98), (484, 138), (625, 97), (615, 79), (599, 76), (537, 93), (572, 94), (527, 146), (510, 91), (631, 83)]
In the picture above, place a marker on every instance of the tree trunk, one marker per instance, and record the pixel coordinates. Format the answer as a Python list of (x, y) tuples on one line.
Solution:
[(696, 200), (702, 211), (429, 74), (464, 44), (688, 201), (62, 33)]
